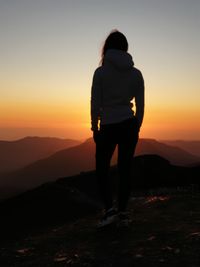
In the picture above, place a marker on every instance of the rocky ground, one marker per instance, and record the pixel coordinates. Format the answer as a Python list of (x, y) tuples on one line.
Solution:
[(165, 231)]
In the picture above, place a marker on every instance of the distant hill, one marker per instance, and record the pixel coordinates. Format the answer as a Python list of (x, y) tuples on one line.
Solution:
[(174, 154), (66, 162), (192, 147), (17, 154), (79, 159)]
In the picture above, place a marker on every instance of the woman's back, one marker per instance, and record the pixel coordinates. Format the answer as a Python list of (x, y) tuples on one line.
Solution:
[(119, 83)]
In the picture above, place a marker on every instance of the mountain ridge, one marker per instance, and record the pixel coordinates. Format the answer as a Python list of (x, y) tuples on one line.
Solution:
[(81, 158), (79, 193), (19, 153), (191, 146)]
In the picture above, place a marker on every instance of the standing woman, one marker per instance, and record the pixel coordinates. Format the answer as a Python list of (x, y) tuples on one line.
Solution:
[(114, 121)]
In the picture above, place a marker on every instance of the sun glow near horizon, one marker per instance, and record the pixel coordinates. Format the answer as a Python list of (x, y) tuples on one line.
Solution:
[(66, 114), (49, 51), (62, 122)]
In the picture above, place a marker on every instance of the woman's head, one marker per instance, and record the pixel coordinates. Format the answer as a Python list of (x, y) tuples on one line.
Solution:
[(115, 40)]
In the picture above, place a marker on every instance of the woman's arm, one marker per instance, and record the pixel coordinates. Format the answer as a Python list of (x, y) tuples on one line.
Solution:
[(95, 101), (140, 100)]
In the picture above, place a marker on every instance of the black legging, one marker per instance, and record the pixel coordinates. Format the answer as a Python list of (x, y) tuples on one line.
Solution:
[(125, 135)]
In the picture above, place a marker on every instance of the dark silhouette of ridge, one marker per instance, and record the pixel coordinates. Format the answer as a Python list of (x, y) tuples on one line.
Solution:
[(71, 198), (45, 205), (149, 171), (78, 159)]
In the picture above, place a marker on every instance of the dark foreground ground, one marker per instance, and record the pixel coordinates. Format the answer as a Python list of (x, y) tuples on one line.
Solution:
[(165, 232)]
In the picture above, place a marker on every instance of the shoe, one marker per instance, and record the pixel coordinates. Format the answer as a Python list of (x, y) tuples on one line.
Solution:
[(109, 217), (124, 219)]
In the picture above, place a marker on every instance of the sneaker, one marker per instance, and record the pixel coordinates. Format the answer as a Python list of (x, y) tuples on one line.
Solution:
[(124, 219), (109, 217)]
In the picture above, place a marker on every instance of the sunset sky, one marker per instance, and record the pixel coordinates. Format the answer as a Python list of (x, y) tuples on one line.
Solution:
[(49, 50)]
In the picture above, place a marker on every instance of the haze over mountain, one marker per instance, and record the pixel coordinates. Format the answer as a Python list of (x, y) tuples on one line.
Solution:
[(192, 146), (17, 154), (81, 158), (176, 155)]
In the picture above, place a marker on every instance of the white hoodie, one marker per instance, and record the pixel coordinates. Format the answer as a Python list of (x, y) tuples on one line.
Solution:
[(115, 84)]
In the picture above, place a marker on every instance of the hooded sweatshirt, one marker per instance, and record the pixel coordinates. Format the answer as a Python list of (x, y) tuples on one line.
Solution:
[(115, 85)]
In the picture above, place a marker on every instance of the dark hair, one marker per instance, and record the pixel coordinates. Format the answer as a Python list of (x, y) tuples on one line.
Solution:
[(115, 40)]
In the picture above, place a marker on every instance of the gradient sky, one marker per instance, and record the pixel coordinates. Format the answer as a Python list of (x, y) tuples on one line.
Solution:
[(49, 50)]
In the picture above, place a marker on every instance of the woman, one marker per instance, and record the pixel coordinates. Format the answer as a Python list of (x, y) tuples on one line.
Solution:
[(114, 121)]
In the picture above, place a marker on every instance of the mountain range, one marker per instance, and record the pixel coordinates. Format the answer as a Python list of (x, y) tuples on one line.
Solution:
[(175, 154), (51, 219), (73, 160), (191, 146), (17, 154), (55, 224), (70, 198)]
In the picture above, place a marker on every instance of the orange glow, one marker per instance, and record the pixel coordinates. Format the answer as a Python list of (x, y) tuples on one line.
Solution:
[(171, 123), (74, 120), (51, 115), (67, 114)]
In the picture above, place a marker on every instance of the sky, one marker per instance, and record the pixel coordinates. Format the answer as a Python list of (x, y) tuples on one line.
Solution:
[(49, 50)]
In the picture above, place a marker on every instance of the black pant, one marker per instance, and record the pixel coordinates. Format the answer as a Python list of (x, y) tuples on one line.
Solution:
[(125, 135)]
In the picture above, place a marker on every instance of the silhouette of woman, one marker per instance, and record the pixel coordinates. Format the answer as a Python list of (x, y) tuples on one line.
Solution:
[(114, 121)]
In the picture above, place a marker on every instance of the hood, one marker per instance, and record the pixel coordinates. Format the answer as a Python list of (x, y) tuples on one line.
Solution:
[(118, 59)]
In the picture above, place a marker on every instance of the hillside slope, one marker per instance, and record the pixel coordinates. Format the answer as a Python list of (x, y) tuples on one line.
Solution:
[(79, 159), (55, 224), (192, 146), (17, 154)]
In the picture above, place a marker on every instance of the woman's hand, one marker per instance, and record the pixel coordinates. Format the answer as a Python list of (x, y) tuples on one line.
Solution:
[(96, 135)]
